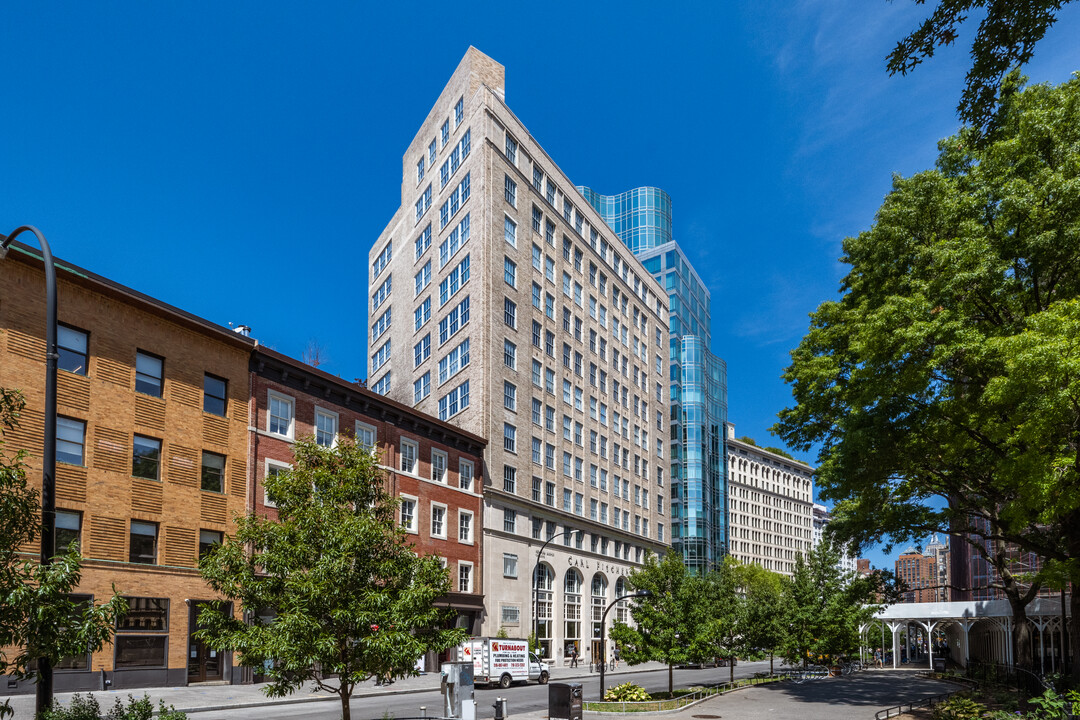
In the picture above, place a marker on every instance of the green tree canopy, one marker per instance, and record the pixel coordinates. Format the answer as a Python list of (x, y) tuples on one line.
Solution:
[(720, 626), (762, 626), (1004, 41), (38, 617), (941, 386), (346, 595)]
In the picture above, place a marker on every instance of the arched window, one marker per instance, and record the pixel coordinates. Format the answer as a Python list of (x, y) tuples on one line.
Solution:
[(572, 583), (543, 587)]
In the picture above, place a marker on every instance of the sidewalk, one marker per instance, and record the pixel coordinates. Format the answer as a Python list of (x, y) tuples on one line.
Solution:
[(201, 698)]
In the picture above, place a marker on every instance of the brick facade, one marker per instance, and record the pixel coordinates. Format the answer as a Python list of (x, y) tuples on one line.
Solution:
[(104, 412)]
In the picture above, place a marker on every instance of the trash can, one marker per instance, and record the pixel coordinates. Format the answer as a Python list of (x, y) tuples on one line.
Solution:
[(939, 665), (564, 701)]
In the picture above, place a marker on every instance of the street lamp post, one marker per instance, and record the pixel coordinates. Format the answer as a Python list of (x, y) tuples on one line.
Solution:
[(603, 632), (48, 471), (536, 583)]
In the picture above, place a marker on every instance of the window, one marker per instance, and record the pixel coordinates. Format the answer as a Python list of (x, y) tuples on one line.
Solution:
[(509, 396), (509, 479), (536, 373), (280, 414), (438, 521), (421, 315), (208, 539), (382, 385), (464, 577), (422, 278), (438, 466), (509, 354), (454, 281), (454, 401), (431, 153), (380, 357), (213, 395), (423, 242), (422, 387), (458, 197), (146, 457), (509, 438), (454, 320), (510, 191), (536, 327), (422, 350), (510, 313), (70, 440), (326, 427), (445, 133), (511, 149), (549, 268), (213, 472), (510, 272), (68, 530), (408, 513), (455, 361), (420, 170), (537, 256), (536, 445), (536, 296), (382, 260), (72, 344), (579, 500), (380, 295), (465, 526), (142, 633), (143, 543), (148, 373), (465, 474), (423, 204), (273, 469), (409, 452), (510, 525), (459, 111)]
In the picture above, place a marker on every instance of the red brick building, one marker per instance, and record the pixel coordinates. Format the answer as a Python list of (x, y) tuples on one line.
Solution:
[(919, 574), (434, 467)]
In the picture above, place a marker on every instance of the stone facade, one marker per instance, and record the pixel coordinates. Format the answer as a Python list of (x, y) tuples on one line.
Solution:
[(770, 506), (150, 380), (523, 279)]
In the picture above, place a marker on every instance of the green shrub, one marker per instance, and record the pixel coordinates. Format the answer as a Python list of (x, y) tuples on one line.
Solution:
[(959, 708), (88, 708), (627, 692)]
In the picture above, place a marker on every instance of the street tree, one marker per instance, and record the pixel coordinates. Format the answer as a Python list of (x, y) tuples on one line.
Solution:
[(339, 594), (38, 616), (941, 387), (720, 626), (823, 607), (1005, 41), (762, 625), (665, 620)]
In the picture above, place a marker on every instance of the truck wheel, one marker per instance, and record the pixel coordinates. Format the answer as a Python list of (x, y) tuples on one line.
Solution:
[(543, 678), (504, 682)]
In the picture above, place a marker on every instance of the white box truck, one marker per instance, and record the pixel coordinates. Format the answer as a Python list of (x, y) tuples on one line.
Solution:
[(502, 661)]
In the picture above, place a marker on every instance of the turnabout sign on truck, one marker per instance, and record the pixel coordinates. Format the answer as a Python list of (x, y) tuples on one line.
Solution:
[(503, 661)]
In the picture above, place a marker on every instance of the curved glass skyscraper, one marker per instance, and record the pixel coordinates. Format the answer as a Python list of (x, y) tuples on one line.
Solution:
[(699, 529)]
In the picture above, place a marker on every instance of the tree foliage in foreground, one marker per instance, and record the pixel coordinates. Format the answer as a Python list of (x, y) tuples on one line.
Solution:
[(38, 619), (346, 595), (944, 385), (1004, 41)]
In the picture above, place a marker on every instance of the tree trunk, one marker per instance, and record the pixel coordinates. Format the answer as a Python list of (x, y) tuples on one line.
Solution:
[(670, 680), (731, 667), (345, 696), (1021, 631), (1074, 635), (770, 663)]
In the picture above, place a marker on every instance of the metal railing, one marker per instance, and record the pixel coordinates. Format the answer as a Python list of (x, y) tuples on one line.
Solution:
[(681, 701), (929, 702)]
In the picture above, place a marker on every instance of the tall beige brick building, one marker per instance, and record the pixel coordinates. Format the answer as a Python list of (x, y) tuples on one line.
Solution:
[(502, 303), (770, 506)]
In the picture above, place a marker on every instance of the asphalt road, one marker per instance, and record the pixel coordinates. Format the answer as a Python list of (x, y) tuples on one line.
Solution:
[(520, 699)]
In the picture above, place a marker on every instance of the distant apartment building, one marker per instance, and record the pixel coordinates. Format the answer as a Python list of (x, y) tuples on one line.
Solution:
[(502, 304), (847, 563), (433, 467), (152, 459), (972, 577), (918, 573), (940, 552), (698, 382), (770, 505)]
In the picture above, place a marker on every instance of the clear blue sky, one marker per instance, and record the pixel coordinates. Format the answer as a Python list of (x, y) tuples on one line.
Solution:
[(238, 159)]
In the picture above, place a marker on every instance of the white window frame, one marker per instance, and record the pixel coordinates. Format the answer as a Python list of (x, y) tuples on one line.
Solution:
[(462, 464), (469, 565), (275, 395), (445, 466), (267, 464), (331, 414), (415, 446), (515, 572), (472, 526), (445, 520), (414, 528), (363, 427)]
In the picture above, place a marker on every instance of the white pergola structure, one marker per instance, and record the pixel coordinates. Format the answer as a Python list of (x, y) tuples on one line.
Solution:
[(980, 629)]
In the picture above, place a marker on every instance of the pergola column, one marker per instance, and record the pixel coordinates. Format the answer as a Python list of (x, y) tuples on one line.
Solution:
[(894, 627)]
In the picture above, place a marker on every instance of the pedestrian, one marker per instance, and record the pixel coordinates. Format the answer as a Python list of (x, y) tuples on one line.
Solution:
[(617, 656), (573, 655)]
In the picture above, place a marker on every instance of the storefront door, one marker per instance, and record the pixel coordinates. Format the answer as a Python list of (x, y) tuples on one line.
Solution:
[(204, 663)]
